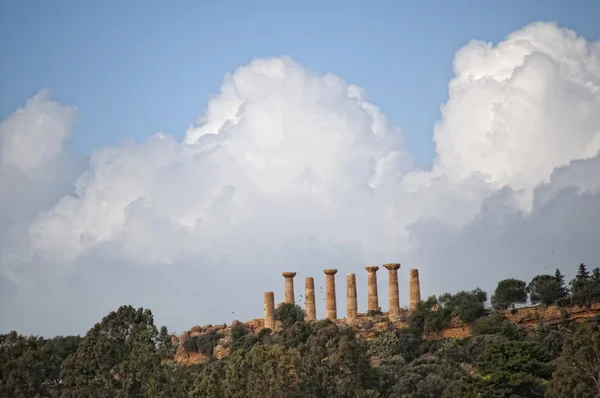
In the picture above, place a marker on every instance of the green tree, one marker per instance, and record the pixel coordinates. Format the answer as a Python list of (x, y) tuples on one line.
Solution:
[(31, 365), (430, 315), (582, 287), (171, 380), (563, 300), (468, 306), (578, 370), (335, 362), (211, 383), (508, 293), (237, 374), (279, 365), (582, 272), (288, 314), (509, 369), (165, 346), (115, 358), (426, 377), (20, 373), (544, 289)]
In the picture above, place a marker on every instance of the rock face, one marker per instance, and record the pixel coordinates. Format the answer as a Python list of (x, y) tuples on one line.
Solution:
[(415, 289), (351, 304), (394, 295), (269, 308), (330, 300), (373, 302), (288, 297), (311, 310)]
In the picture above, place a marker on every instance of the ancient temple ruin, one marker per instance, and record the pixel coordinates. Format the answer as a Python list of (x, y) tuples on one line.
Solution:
[(351, 294)]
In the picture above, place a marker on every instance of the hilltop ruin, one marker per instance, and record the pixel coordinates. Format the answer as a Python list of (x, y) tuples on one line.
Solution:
[(351, 294)]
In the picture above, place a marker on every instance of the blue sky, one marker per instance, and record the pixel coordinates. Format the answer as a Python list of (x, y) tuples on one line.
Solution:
[(134, 68)]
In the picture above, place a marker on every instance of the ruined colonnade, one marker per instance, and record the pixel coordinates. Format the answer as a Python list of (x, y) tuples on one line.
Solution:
[(351, 295)]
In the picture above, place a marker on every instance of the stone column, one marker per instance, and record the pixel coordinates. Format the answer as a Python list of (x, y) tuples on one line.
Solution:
[(415, 289), (289, 298), (311, 311), (330, 301), (351, 304), (372, 288), (394, 296), (269, 307)]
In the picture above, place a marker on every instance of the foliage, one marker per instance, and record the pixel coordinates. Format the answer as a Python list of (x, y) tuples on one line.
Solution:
[(204, 343), (241, 339), (509, 369), (335, 362), (116, 357), (288, 314), (578, 371), (508, 293), (384, 345), (468, 306), (430, 316), (585, 289), (31, 365), (561, 281), (544, 289), (165, 347), (425, 377)]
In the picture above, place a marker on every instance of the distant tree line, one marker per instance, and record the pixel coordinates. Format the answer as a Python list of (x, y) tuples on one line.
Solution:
[(126, 355)]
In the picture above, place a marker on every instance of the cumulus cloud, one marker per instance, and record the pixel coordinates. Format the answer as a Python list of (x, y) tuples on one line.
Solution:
[(519, 109), (291, 170)]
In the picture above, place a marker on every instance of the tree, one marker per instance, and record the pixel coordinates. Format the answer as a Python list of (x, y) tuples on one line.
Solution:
[(20, 375), (468, 306), (544, 289), (335, 362), (166, 349), (582, 272), (430, 315), (280, 366), (508, 293), (426, 377), (578, 371), (31, 365), (582, 287), (564, 289), (288, 314), (211, 383), (116, 357), (509, 369)]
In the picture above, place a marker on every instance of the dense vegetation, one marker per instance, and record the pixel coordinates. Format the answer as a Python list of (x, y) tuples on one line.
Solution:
[(126, 355)]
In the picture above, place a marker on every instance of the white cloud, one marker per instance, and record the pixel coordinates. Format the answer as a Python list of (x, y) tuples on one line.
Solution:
[(288, 169), (519, 109), (33, 135)]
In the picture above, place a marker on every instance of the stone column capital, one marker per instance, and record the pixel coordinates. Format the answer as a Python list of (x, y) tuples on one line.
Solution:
[(288, 274), (372, 268), (392, 266), (330, 271)]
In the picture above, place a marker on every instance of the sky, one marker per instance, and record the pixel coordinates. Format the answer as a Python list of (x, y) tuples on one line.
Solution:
[(181, 157)]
